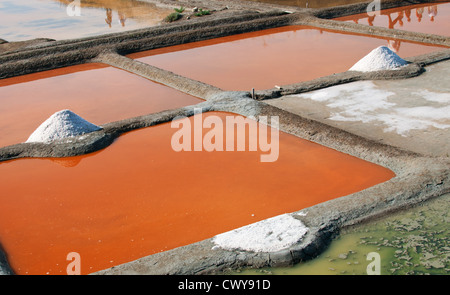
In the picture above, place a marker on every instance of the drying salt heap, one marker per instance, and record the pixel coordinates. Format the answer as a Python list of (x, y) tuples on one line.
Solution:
[(270, 235), (381, 58), (60, 125)]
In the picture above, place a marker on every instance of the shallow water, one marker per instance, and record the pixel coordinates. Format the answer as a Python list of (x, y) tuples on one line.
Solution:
[(29, 19), (272, 57), (98, 93), (423, 18), (411, 242), (139, 197)]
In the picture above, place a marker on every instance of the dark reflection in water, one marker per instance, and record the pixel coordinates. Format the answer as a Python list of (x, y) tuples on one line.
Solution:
[(67, 162), (423, 18), (311, 3), (121, 15)]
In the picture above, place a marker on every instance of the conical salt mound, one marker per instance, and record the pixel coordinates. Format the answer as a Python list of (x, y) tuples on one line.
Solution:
[(381, 58), (60, 125)]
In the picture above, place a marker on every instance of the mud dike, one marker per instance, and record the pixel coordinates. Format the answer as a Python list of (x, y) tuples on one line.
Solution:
[(418, 177)]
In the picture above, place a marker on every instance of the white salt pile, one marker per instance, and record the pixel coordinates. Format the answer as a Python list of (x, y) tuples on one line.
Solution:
[(60, 125), (381, 58), (269, 235)]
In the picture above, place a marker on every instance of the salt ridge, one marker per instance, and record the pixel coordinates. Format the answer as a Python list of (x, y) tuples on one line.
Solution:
[(381, 58), (61, 125)]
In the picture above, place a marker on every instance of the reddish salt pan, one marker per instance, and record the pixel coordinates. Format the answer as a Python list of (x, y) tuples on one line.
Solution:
[(95, 92), (272, 57), (139, 197)]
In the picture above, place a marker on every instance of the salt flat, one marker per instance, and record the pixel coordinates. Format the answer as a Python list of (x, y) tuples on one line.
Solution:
[(412, 113)]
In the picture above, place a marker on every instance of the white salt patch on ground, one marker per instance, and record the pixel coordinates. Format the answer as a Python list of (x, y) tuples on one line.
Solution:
[(402, 124), (268, 235), (365, 102), (352, 100), (434, 96), (381, 58), (61, 125)]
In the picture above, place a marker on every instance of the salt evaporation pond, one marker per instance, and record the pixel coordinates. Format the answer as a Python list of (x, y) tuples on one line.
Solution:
[(412, 242), (267, 58), (139, 196), (98, 93), (29, 19), (431, 18)]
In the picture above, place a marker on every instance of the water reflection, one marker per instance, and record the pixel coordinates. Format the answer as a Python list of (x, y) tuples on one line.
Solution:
[(109, 17), (67, 162), (51, 18), (431, 19), (139, 11)]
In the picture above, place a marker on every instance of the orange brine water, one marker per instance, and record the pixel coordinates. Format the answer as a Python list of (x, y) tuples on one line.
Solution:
[(139, 196), (273, 57), (97, 93)]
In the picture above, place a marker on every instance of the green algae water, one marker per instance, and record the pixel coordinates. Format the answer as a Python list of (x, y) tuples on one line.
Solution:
[(411, 242)]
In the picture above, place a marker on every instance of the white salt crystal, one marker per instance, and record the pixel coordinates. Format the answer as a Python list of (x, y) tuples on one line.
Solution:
[(381, 58), (268, 235), (61, 125)]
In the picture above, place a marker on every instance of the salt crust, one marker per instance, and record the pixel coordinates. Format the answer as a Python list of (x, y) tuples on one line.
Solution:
[(363, 101), (270, 235)]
